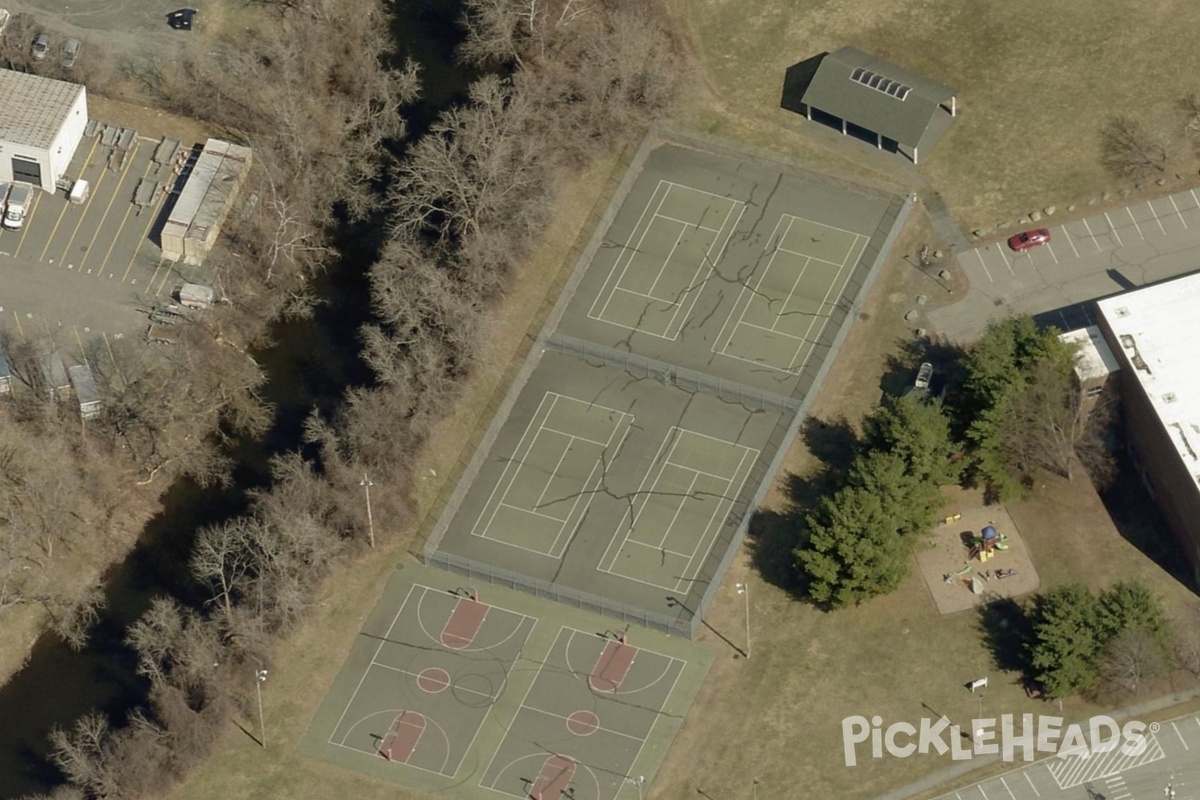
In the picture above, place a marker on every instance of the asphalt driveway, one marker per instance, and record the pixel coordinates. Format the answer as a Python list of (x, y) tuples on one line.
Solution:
[(1086, 259)]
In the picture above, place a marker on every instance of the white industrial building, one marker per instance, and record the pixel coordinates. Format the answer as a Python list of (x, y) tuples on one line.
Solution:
[(41, 123), (204, 202), (1154, 336)]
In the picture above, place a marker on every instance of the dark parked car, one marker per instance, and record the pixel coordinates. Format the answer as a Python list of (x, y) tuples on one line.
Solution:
[(41, 46), (1028, 239), (181, 20)]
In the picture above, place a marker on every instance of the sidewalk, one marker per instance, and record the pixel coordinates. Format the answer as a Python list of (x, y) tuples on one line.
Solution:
[(980, 764)]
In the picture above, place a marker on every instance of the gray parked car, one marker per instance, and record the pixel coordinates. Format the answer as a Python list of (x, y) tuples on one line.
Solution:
[(71, 53), (41, 46)]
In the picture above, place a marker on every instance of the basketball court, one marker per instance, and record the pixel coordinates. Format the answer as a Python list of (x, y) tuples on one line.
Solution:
[(435, 673), (585, 720), (465, 692), (778, 320), (653, 285)]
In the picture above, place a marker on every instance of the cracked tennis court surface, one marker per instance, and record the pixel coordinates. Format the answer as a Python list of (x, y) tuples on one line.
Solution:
[(622, 468)]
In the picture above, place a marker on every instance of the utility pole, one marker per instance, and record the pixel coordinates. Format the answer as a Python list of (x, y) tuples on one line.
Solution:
[(260, 677), (366, 484), (744, 590)]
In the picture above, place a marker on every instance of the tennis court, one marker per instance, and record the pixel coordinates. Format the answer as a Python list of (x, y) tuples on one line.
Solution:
[(655, 282), (678, 510), (547, 485), (778, 320), (581, 728), (432, 680)]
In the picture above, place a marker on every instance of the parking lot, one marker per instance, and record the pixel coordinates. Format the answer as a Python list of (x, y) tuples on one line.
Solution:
[(93, 265), (1096, 256)]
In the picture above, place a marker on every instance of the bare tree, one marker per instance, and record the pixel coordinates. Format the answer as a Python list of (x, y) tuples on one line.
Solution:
[(1186, 644), (1133, 660), (83, 755), (1134, 148)]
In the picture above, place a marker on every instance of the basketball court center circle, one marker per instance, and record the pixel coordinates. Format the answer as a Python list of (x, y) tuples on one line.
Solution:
[(433, 680), (583, 723)]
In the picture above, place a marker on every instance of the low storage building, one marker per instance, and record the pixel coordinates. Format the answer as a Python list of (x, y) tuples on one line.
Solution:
[(204, 202), (41, 124)]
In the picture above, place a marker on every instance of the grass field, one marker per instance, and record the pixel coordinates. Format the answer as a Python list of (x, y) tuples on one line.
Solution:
[(1035, 82)]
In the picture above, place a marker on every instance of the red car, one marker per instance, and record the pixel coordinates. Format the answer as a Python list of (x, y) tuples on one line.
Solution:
[(1028, 239)]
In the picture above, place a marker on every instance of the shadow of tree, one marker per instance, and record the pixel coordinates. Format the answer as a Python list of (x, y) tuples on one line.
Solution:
[(774, 536), (1007, 631)]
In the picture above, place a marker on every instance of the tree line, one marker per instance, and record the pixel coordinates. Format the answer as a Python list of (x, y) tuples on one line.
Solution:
[(318, 95)]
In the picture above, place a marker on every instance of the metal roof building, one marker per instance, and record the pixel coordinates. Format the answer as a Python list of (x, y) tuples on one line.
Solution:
[(41, 123), (1153, 334), (879, 101), (195, 221)]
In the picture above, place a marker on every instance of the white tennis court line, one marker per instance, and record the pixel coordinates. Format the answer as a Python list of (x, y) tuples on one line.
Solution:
[(726, 501), (607, 294), (807, 256), (724, 342), (685, 223), (517, 462), (825, 302)]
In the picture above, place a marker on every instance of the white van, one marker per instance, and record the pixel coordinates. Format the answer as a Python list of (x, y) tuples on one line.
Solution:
[(17, 207), (4, 187)]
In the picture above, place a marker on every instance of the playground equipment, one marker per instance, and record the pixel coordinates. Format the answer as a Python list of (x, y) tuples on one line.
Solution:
[(987, 543)]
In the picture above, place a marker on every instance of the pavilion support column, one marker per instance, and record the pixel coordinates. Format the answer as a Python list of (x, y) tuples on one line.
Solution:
[(808, 112), (843, 127), (878, 141), (953, 106), (916, 155)]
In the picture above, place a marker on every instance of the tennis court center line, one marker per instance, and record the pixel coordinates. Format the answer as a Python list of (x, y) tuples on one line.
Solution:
[(825, 302)]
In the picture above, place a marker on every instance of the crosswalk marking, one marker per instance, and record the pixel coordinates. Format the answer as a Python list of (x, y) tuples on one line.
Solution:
[(1076, 770)]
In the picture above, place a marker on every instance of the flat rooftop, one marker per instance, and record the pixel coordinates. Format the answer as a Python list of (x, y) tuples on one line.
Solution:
[(1155, 328), (1094, 359), (33, 108)]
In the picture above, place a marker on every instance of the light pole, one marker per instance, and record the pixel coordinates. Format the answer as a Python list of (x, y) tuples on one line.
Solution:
[(754, 787), (260, 677), (744, 590), (366, 484)]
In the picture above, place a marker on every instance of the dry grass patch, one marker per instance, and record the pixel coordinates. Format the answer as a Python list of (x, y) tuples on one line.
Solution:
[(776, 718), (306, 663), (1032, 98)]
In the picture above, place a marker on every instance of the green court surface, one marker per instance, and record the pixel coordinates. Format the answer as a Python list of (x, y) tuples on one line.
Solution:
[(779, 319), (653, 286), (470, 691), (545, 488), (678, 511), (622, 468)]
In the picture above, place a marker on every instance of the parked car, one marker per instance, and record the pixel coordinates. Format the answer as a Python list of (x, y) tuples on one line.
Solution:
[(71, 53), (41, 46), (181, 20), (4, 18), (1028, 239)]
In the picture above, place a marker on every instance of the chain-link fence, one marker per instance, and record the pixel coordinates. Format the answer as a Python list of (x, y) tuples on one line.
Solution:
[(683, 624), (671, 375)]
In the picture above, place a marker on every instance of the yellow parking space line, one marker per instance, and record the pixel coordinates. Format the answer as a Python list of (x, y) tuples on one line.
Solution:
[(78, 338), (154, 277), (20, 330), (103, 174), (167, 274), (25, 230), (63, 213), (146, 235), (100, 227), (121, 227)]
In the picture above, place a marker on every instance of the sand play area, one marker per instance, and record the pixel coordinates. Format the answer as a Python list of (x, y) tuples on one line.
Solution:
[(1007, 572)]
